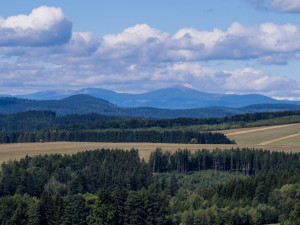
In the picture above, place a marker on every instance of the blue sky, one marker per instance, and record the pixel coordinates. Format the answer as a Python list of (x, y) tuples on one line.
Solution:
[(226, 46)]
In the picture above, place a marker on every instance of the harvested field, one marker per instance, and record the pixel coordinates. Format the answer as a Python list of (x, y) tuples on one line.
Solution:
[(19, 150), (250, 130), (280, 139), (266, 135), (275, 138)]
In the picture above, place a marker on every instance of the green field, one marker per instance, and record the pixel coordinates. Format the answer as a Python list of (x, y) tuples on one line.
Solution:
[(292, 141), (257, 136)]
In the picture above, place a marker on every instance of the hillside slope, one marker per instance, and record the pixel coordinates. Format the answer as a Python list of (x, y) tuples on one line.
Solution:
[(82, 104), (177, 97)]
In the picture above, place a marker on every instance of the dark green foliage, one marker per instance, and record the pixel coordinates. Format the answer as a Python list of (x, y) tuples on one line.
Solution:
[(263, 117), (47, 209), (152, 136), (236, 186), (75, 210), (173, 185), (295, 215), (137, 207), (246, 161), (4, 137), (84, 172), (37, 120)]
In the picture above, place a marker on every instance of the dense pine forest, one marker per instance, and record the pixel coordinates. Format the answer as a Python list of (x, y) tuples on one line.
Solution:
[(234, 186), (152, 136), (36, 126), (37, 120)]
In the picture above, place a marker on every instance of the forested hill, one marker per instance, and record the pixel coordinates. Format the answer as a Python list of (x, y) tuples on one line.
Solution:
[(175, 97), (82, 104), (37, 120), (75, 104)]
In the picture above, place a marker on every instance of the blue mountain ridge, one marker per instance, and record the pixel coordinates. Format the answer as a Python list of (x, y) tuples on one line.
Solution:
[(177, 97)]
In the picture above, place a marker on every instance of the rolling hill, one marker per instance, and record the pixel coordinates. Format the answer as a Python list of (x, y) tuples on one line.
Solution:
[(82, 104), (177, 97)]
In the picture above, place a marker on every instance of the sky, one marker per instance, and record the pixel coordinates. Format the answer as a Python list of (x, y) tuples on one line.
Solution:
[(134, 46)]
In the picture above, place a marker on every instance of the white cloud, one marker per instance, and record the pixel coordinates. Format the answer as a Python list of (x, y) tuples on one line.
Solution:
[(141, 44), (142, 58), (270, 43), (139, 34), (139, 78), (238, 42), (248, 79), (287, 98), (43, 27)]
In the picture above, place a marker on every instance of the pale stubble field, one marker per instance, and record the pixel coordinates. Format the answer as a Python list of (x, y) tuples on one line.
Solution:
[(275, 138)]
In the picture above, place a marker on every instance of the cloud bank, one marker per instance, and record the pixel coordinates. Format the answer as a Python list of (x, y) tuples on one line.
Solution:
[(269, 43), (39, 51)]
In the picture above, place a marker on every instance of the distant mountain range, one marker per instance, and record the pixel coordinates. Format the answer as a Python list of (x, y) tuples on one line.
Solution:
[(82, 104), (178, 97)]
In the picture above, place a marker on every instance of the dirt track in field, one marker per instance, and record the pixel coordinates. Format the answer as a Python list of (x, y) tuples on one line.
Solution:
[(279, 139), (261, 129)]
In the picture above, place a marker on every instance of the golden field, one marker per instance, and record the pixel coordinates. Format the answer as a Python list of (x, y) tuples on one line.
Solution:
[(275, 138), (19, 150)]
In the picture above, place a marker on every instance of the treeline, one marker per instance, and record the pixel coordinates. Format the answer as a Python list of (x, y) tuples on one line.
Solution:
[(116, 187), (246, 161), (184, 121), (153, 136), (37, 120)]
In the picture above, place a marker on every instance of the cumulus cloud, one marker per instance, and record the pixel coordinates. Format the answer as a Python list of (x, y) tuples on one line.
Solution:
[(147, 45), (139, 78), (45, 26), (140, 42), (142, 58), (292, 6), (268, 42), (240, 81), (248, 79)]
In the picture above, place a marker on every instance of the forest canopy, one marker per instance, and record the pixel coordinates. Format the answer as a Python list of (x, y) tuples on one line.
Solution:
[(234, 186)]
